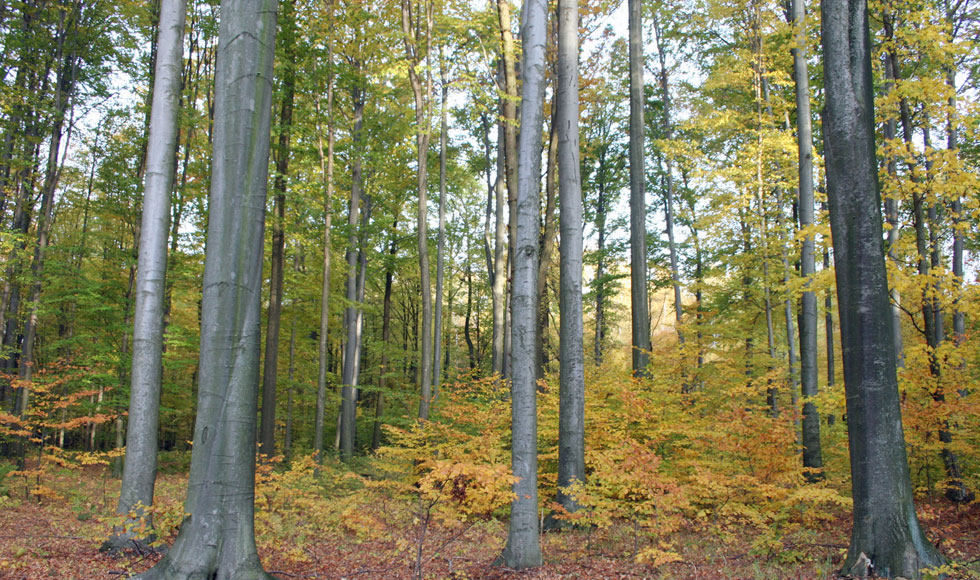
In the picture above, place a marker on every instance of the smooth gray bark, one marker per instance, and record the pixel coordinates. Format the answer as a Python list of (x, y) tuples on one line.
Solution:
[(812, 456), (886, 532), (523, 549), (270, 363), (511, 124), (571, 414), (217, 538), (348, 397), (417, 32), (638, 229), (140, 464)]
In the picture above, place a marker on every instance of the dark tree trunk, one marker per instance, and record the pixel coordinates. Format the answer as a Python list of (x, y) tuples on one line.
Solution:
[(270, 367), (886, 532), (638, 232)]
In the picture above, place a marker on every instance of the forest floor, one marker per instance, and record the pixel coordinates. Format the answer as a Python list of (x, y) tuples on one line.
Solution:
[(58, 536)]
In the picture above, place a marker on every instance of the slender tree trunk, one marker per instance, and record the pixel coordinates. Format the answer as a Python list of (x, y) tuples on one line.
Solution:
[(217, 539), (511, 124), (64, 89), (600, 270), (385, 338), (140, 465), (891, 203), (470, 347), (812, 456), (347, 427), (326, 171), (499, 287), (441, 244), (417, 31), (287, 446), (547, 247), (523, 549), (829, 331), (638, 232), (667, 123), (571, 415), (886, 532), (270, 367)]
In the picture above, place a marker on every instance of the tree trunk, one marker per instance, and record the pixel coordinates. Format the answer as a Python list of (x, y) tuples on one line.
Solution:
[(638, 230), (891, 203), (417, 30), (812, 456), (667, 124), (348, 407), (499, 287), (886, 532), (385, 338), (326, 171), (547, 247), (217, 538), (571, 415), (441, 244), (523, 549), (64, 89), (270, 366), (140, 465)]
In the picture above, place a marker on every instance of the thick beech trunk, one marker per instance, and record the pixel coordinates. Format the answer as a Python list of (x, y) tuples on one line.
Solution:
[(886, 532), (217, 537)]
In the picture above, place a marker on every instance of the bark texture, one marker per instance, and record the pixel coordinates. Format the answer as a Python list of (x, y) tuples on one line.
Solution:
[(217, 538), (638, 229), (886, 534), (812, 456), (523, 549), (571, 417), (140, 464)]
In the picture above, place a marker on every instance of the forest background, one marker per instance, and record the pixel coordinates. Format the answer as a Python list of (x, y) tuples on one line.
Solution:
[(707, 444)]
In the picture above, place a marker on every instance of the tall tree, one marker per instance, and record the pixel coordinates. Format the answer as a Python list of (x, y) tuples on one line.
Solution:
[(352, 332), (217, 538), (886, 534), (270, 364), (523, 549), (417, 23), (571, 414), (812, 456), (441, 244), (140, 465), (327, 175), (638, 227)]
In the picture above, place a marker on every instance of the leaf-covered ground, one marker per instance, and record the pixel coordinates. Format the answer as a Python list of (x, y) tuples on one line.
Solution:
[(59, 537)]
